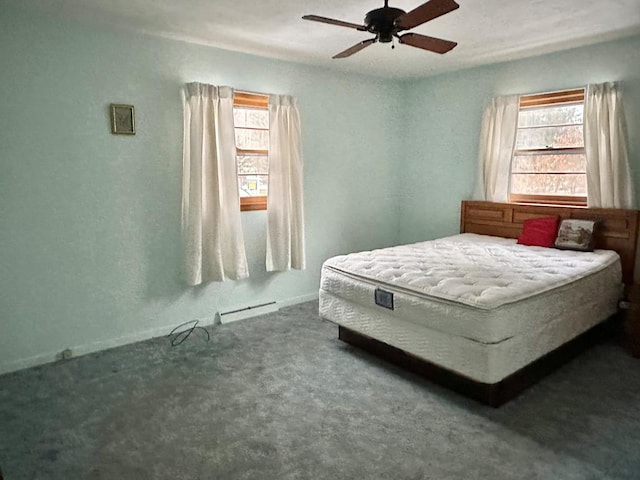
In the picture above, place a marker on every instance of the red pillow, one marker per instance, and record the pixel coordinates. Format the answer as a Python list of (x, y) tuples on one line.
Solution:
[(539, 232)]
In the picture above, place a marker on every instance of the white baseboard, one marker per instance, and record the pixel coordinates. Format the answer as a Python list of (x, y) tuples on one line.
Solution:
[(79, 350), (242, 313), (296, 300)]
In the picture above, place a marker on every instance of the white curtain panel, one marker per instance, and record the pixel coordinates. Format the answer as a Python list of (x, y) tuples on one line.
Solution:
[(609, 183), (211, 226), (285, 205), (497, 141)]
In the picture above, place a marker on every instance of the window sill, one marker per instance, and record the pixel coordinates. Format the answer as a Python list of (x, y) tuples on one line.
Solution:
[(550, 201), (535, 204), (248, 204)]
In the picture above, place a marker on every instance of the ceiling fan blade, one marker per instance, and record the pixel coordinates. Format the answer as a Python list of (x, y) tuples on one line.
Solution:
[(355, 49), (432, 44), (331, 21), (425, 12)]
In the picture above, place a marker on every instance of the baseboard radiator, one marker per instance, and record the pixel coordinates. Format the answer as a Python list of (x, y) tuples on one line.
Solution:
[(248, 312)]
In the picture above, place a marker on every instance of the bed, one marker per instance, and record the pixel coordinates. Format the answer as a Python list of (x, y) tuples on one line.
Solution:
[(476, 312)]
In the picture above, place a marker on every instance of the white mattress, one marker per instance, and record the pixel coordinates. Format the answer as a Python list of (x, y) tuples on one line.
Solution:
[(477, 270), (481, 306)]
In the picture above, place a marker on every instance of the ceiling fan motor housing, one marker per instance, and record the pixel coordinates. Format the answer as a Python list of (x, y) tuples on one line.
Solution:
[(382, 22)]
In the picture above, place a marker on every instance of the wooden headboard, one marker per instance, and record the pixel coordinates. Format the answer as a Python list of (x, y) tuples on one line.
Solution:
[(617, 229)]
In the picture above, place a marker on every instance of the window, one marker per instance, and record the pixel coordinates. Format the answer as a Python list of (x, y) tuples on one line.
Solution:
[(251, 124), (549, 163)]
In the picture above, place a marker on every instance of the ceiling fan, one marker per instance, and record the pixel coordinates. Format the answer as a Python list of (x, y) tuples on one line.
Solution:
[(387, 21)]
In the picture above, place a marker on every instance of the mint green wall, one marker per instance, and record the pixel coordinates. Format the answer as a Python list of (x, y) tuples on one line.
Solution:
[(90, 221), (444, 115)]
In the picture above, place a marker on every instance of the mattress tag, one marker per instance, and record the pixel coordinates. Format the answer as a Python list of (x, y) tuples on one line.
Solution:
[(384, 298)]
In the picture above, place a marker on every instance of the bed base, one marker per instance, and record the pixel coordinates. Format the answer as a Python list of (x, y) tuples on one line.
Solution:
[(495, 394)]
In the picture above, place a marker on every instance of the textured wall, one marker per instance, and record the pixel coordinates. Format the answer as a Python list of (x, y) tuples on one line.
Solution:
[(90, 221), (444, 115)]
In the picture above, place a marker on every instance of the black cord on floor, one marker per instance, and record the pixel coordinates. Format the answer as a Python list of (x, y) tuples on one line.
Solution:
[(182, 335)]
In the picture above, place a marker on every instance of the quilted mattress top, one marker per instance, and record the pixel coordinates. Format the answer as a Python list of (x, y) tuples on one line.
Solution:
[(476, 270)]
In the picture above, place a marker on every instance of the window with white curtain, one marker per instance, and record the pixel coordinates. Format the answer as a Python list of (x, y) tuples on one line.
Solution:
[(549, 165), (236, 142), (567, 147)]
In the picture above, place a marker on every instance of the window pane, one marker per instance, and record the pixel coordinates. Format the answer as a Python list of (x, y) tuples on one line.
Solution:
[(253, 185), (549, 160), (553, 184), (551, 115), (550, 137), (250, 117), (253, 164), (549, 163), (248, 139)]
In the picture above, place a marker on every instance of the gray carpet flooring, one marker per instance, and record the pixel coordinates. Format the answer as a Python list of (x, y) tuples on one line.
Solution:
[(280, 397)]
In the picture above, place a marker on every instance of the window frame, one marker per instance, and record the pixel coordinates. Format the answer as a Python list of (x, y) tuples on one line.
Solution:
[(566, 97), (258, 101)]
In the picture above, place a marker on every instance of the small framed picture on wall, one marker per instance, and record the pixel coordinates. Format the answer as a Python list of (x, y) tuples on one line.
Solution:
[(123, 119)]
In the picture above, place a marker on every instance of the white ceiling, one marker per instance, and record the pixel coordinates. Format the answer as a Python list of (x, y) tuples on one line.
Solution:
[(487, 31)]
